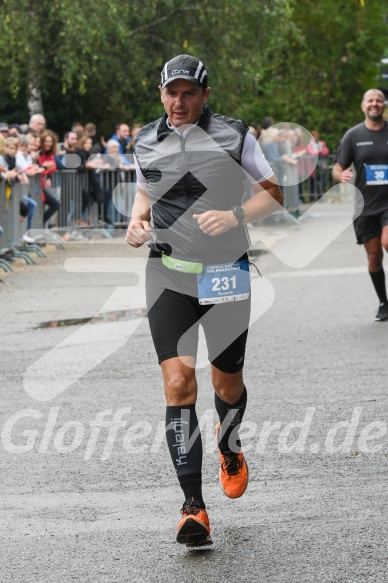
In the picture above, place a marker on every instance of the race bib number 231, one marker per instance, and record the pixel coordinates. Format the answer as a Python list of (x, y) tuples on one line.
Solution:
[(224, 282)]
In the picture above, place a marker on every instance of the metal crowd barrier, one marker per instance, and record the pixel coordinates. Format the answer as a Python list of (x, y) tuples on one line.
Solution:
[(13, 226), (303, 183), (119, 188), (314, 187), (71, 187), (9, 218)]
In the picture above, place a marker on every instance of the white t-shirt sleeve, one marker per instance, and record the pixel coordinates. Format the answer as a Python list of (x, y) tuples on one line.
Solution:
[(141, 181), (253, 160)]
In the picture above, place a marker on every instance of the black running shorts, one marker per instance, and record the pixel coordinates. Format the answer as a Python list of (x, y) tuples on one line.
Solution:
[(174, 314), (367, 228)]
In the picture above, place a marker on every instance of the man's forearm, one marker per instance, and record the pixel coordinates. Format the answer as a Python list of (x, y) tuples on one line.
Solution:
[(141, 207), (337, 172), (263, 203)]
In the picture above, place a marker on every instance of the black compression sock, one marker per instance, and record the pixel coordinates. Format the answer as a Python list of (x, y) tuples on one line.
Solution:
[(378, 280), (230, 418), (185, 445), (194, 499)]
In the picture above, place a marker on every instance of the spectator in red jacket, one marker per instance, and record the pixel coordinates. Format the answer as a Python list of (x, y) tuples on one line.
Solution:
[(47, 161)]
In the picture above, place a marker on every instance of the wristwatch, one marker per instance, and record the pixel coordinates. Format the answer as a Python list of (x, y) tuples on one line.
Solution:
[(238, 212)]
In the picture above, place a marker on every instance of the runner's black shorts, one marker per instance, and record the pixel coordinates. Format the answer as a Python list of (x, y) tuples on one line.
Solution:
[(367, 228), (174, 313)]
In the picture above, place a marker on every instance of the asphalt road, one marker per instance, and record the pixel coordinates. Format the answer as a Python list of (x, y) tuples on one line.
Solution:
[(88, 492)]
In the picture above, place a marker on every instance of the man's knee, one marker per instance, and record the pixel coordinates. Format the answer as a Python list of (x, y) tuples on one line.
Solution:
[(228, 386), (375, 263), (375, 259), (180, 387)]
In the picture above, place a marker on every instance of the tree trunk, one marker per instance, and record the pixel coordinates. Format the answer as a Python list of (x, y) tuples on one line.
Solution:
[(34, 99)]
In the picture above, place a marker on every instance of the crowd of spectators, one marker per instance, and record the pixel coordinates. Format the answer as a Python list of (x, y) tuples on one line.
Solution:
[(295, 155), (28, 150)]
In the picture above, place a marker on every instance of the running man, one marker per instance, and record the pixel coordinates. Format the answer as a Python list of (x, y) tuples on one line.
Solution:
[(366, 146), (193, 169)]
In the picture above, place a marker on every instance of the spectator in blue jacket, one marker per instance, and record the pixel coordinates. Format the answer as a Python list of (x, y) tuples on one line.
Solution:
[(123, 137)]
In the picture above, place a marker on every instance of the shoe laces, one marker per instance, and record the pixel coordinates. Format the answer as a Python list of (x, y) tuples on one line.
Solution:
[(189, 509), (231, 464)]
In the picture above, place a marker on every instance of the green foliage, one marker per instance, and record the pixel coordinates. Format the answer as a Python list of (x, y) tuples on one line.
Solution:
[(336, 62), (302, 61)]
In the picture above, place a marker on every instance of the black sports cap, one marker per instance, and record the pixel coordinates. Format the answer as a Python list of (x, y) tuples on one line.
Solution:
[(184, 67)]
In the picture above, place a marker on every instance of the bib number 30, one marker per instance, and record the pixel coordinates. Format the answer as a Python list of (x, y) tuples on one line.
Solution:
[(376, 174)]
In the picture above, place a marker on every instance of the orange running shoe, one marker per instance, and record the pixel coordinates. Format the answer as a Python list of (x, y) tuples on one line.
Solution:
[(233, 471), (194, 528)]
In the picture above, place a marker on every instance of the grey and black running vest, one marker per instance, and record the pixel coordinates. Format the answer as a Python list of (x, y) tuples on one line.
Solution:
[(189, 173)]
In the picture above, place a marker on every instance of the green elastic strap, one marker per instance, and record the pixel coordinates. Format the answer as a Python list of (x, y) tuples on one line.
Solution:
[(182, 266)]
